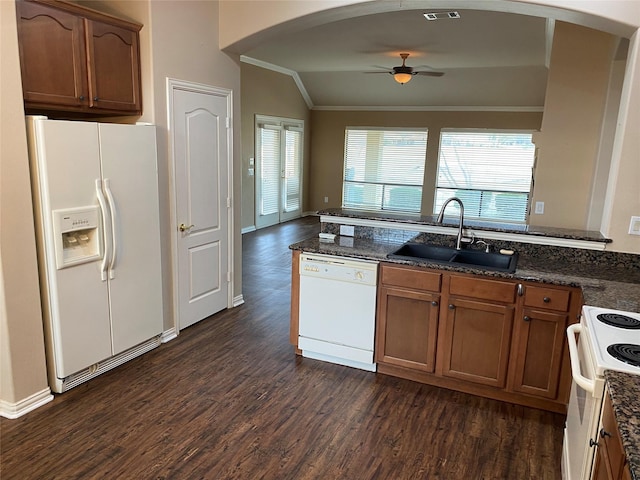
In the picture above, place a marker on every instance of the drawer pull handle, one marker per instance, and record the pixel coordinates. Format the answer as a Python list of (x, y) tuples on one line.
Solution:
[(604, 433), (452, 306), (546, 299), (527, 318), (520, 290), (592, 443), (434, 303)]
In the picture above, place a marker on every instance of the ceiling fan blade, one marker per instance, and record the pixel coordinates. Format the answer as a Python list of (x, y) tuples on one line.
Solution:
[(386, 71), (429, 74)]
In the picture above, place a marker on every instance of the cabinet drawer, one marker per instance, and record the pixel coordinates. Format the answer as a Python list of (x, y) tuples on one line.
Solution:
[(549, 298), (483, 289), (410, 277)]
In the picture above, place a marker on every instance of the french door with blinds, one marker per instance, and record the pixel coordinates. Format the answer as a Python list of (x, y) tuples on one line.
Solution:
[(279, 152)]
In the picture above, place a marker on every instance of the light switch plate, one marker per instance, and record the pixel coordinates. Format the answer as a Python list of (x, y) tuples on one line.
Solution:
[(634, 226), (347, 230), (539, 208)]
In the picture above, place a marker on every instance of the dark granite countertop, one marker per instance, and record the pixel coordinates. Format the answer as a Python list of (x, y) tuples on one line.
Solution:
[(625, 398), (573, 234), (608, 286)]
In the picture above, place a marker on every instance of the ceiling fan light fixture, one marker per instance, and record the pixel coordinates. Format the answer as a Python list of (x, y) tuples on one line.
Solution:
[(402, 78)]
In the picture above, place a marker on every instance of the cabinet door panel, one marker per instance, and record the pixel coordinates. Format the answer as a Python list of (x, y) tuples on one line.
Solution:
[(51, 56), (407, 328), (538, 347), (476, 341), (114, 74)]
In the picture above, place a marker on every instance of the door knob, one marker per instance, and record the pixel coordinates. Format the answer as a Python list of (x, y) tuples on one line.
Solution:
[(184, 228)]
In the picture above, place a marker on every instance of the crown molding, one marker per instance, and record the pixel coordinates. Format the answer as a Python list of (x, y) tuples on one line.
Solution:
[(431, 108), (285, 71)]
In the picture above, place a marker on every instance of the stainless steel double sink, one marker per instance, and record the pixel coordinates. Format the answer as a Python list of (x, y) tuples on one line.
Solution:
[(428, 253)]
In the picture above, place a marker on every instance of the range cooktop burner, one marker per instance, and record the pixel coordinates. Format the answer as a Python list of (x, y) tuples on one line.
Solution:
[(619, 320), (625, 352)]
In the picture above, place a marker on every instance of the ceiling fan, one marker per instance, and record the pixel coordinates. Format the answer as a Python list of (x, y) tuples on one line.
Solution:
[(403, 74)]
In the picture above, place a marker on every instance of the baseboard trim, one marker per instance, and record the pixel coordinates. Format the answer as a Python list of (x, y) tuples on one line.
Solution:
[(309, 214), (238, 300), (14, 410), (250, 229), (168, 335)]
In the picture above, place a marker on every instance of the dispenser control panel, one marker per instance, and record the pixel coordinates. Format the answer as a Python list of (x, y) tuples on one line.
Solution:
[(77, 235)]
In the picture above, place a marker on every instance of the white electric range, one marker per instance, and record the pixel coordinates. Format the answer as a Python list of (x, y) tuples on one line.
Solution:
[(607, 340)]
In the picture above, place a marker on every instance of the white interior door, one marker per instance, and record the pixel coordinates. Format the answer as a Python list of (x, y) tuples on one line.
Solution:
[(200, 126), (279, 154)]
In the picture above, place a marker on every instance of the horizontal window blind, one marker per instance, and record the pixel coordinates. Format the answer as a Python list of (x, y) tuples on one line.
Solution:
[(384, 169), (292, 168), (490, 171), (269, 151)]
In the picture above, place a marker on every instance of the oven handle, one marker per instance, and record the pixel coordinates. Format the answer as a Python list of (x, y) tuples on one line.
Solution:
[(582, 381)]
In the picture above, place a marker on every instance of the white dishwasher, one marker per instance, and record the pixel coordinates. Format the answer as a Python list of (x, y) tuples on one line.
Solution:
[(338, 310)]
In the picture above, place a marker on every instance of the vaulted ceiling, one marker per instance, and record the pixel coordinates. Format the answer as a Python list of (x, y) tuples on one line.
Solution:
[(489, 59)]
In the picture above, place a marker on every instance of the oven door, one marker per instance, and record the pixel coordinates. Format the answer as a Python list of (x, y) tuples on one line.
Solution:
[(583, 413)]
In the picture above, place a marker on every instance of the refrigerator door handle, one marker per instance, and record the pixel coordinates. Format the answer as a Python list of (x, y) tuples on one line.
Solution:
[(114, 243), (106, 229)]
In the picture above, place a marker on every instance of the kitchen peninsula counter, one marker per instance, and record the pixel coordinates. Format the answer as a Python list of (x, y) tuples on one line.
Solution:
[(611, 285), (625, 399)]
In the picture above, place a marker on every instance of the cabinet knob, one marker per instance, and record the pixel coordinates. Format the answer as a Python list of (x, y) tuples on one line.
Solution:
[(527, 318), (592, 443), (452, 306), (604, 433), (434, 303), (81, 97), (95, 99), (546, 299)]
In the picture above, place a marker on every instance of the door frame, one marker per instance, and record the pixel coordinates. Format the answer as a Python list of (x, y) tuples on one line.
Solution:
[(174, 85)]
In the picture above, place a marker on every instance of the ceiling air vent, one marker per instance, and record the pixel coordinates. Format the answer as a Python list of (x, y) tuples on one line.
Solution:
[(440, 15)]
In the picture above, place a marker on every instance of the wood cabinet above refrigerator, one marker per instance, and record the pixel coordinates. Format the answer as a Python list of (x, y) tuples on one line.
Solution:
[(75, 59)]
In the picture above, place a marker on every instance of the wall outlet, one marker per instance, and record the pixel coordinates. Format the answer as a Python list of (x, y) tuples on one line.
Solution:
[(326, 199), (347, 230), (634, 226), (539, 208)]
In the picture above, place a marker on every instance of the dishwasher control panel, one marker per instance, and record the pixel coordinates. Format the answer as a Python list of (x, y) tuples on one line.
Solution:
[(339, 268)]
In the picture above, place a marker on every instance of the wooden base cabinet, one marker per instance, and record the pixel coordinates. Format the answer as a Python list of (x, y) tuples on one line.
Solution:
[(408, 305), (475, 341), (74, 59), (611, 462), (486, 336)]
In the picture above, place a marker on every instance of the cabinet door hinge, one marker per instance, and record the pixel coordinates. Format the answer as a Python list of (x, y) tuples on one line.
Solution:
[(228, 202), (228, 276), (227, 122)]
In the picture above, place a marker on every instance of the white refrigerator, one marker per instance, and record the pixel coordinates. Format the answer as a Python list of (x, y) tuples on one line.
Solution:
[(95, 188)]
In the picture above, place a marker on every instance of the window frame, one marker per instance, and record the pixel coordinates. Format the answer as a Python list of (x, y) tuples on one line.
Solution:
[(384, 185), (529, 193)]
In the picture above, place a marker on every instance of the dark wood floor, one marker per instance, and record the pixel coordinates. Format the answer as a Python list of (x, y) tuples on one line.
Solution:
[(228, 399)]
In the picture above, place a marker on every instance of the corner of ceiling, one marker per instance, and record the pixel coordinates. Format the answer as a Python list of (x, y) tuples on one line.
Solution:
[(292, 73)]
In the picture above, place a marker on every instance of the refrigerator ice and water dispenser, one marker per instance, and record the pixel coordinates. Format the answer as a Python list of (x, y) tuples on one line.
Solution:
[(77, 235)]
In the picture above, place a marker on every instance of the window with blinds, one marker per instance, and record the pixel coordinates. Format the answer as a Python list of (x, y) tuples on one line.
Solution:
[(490, 171), (384, 169)]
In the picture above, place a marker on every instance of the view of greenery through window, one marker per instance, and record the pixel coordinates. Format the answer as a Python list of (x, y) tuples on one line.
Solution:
[(384, 169), (490, 171)]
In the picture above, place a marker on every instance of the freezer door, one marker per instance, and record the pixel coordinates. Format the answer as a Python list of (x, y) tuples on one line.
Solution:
[(65, 164), (129, 170)]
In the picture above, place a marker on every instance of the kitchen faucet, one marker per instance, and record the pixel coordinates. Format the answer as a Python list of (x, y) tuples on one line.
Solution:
[(441, 217)]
